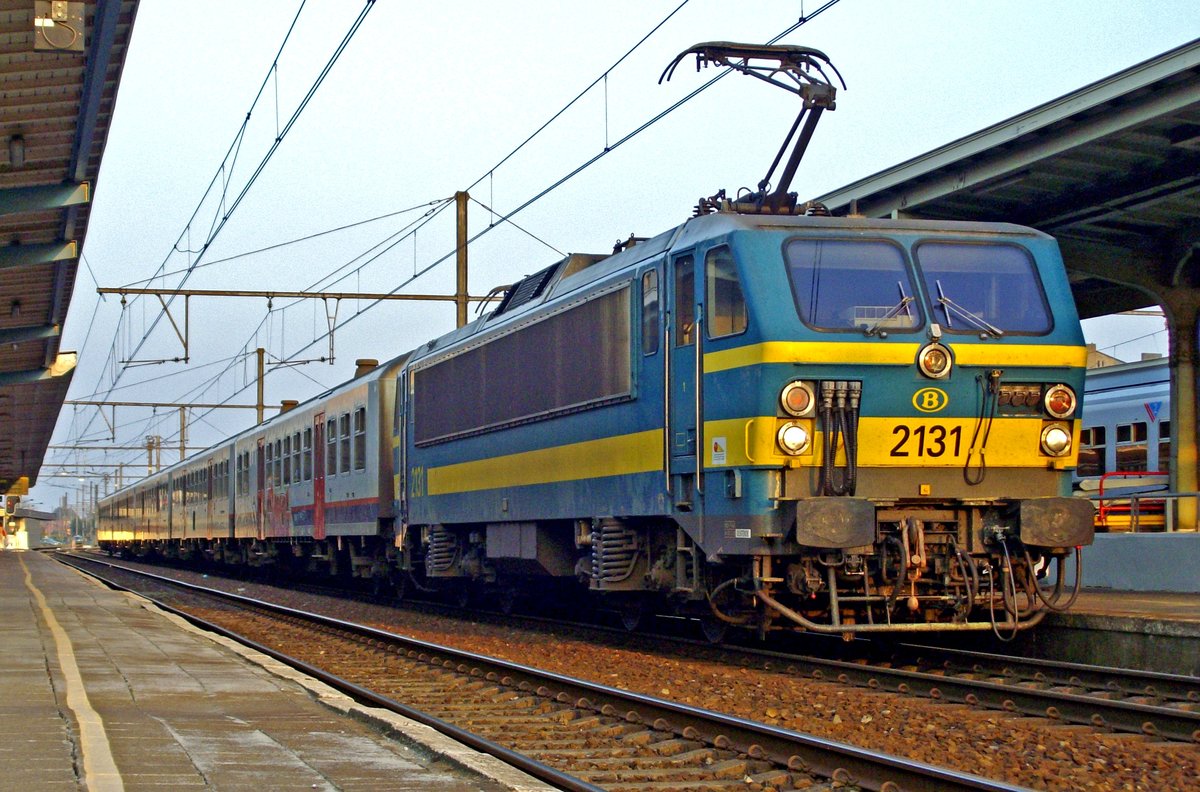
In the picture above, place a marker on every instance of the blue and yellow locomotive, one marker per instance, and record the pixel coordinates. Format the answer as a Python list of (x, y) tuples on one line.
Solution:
[(838, 424), (765, 417)]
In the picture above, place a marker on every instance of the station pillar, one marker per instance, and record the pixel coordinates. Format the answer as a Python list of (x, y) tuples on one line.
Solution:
[(1182, 307)]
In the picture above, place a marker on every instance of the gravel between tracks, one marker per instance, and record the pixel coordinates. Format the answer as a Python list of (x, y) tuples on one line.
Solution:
[(1031, 752)]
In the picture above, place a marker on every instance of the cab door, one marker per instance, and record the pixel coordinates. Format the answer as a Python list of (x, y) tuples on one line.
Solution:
[(683, 400)]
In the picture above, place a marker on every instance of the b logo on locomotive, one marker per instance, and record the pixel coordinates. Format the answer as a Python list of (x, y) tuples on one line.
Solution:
[(930, 400)]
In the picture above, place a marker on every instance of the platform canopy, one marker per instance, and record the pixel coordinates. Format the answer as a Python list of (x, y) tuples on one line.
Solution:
[(60, 66), (1113, 171)]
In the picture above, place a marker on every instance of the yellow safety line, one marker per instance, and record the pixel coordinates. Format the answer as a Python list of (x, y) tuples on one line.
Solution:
[(99, 770)]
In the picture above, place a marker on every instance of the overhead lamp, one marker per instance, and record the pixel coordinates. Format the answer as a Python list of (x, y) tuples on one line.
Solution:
[(16, 151)]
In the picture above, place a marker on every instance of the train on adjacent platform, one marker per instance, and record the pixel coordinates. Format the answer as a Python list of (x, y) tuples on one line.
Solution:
[(765, 417), (1125, 444)]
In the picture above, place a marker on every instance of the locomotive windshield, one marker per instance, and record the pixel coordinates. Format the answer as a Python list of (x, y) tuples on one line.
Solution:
[(973, 288), (851, 285), (986, 288)]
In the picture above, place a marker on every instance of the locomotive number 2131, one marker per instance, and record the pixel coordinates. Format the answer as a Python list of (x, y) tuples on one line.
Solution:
[(931, 440)]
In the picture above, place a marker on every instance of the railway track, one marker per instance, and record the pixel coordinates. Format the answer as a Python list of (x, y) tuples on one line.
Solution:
[(571, 733), (1157, 705)]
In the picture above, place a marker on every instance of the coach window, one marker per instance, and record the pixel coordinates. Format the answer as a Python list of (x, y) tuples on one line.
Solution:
[(650, 312), (308, 454), (278, 462), (1131, 447), (1164, 446), (360, 438), (344, 444), (685, 300), (725, 307), (287, 460), (331, 447), (296, 458), (238, 468)]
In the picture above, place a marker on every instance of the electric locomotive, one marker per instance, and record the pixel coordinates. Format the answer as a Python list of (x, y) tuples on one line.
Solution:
[(765, 417), (840, 424)]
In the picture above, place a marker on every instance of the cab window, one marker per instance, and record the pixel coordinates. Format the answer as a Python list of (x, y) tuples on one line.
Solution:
[(852, 285), (725, 306), (685, 301), (650, 312), (982, 287)]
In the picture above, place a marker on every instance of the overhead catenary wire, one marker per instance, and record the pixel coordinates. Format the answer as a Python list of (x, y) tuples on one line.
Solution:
[(507, 217), (235, 147), (231, 158), (287, 242)]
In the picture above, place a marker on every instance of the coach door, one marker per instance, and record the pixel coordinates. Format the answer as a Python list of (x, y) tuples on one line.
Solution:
[(318, 451), (260, 499), (683, 399), (209, 504)]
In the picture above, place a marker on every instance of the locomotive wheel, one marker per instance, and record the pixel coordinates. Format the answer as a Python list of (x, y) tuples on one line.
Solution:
[(506, 601), (399, 586), (379, 587), (714, 629), (632, 613)]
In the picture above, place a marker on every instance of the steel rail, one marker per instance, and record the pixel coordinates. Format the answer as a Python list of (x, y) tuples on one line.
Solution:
[(1131, 682)]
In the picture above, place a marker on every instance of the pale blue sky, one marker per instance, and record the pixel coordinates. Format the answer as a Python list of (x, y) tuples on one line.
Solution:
[(428, 97)]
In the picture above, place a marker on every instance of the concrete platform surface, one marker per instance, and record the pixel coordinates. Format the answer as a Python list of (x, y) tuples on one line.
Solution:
[(1173, 607), (1154, 631), (100, 690)]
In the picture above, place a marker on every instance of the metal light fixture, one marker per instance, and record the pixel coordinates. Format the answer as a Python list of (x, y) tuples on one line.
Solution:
[(16, 151)]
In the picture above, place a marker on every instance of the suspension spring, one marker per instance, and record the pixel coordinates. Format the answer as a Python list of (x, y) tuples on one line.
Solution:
[(614, 553), (443, 549)]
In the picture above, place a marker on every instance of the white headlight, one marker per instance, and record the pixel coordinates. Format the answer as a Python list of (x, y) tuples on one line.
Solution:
[(1056, 440), (792, 438)]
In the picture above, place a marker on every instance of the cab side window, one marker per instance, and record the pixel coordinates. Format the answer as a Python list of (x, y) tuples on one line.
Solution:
[(685, 301), (650, 312), (725, 306)]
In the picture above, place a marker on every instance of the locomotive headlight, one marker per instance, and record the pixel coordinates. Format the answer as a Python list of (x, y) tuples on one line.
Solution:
[(934, 361), (1056, 439), (1059, 401), (797, 399), (792, 438)]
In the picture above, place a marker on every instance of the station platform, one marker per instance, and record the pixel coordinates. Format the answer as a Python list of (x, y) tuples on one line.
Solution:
[(100, 690)]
